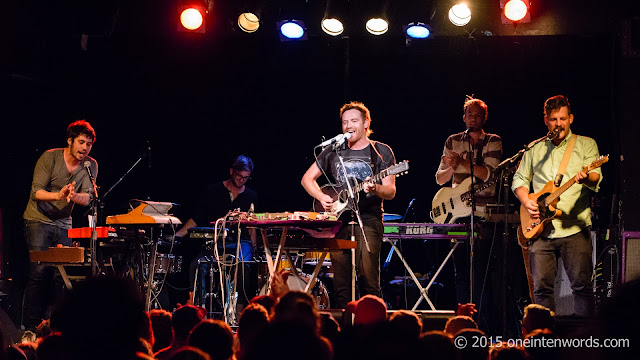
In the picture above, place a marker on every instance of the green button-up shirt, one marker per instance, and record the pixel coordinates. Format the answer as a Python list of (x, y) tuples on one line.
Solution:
[(540, 165)]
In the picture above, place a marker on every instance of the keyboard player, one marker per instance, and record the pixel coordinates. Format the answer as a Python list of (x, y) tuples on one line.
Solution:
[(60, 180), (214, 203)]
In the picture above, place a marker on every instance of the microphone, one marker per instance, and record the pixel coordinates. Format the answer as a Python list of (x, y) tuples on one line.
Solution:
[(87, 166), (466, 133), (338, 140), (553, 133)]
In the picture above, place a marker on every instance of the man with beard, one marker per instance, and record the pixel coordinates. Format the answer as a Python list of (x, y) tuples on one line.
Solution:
[(59, 182), (567, 236), (363, 158)]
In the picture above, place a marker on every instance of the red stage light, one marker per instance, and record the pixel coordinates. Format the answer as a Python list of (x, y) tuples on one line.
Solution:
[(191, 18), (515, 10)]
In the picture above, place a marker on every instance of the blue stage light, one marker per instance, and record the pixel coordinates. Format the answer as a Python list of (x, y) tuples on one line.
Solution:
[(292, 30), (418, 31)]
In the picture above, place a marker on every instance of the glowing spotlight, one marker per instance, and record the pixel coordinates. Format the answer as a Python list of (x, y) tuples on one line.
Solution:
[(292, 30), (515, 10), (191, 19), (377, 26), (417, 30), (333, 27), (248, 22), (459, 14)]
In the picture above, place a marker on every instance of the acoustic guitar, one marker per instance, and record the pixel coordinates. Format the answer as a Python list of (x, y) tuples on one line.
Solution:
[(340, 193)]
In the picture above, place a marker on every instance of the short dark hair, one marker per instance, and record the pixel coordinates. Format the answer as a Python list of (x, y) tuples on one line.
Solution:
[(81, 127), (556, 103), (242, 163)]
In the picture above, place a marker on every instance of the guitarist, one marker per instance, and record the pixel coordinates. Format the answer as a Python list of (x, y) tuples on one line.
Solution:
[(363, 158), (567, 236), (455, 167)]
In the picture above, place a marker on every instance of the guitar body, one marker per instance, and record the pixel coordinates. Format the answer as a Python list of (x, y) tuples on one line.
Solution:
[(448, 205), (340, 193), (340, 199), (532, 228)]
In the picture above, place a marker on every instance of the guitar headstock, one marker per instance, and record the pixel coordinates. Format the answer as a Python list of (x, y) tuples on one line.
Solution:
[(598, 162), (400, 168)]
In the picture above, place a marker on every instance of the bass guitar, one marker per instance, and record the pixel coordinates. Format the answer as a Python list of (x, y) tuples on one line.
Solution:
[(547, 200), (340, 193), (450, 204)]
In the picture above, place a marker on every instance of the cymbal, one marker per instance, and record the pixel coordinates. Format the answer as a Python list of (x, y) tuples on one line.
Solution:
[(391, 217)]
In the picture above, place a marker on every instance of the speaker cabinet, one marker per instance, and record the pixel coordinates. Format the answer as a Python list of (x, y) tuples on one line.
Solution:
[(630, 256)]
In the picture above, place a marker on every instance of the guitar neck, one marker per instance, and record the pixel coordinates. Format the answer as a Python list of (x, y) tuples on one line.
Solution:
[(467, 195), (375, 178), (554, 195)]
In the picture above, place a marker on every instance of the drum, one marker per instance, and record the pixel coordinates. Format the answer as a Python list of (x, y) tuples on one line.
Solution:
[(312, 257), (165, 263), (319, 291)]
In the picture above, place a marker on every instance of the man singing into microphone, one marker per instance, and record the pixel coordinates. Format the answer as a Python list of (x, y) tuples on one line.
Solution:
[(455, 165), (60, 180), (362, 158), (567, 236)]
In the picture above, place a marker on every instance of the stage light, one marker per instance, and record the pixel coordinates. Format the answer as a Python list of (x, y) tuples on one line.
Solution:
[(334, 12), (377, 26), (515, 11), (292, 30), (191, 18), (417, 30), (459, 14), (248, 22), (333, 27)]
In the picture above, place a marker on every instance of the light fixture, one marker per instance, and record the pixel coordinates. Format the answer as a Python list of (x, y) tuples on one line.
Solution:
[(335, 12), (515, 11), (377, 26), (459, 14), (192, 15), (292, 30), (417, 30), (248, 22)]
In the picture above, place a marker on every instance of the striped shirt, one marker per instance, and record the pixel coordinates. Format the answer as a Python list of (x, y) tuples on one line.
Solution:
[(487, 152)]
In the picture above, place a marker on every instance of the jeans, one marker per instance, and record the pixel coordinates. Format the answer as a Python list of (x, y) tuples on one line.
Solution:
[(367, 263), (575, 251), (40, 236)]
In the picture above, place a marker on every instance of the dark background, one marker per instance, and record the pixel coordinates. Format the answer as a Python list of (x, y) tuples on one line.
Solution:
[(201, 99)]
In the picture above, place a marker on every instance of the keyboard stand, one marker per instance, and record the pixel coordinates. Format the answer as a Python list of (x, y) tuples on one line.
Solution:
[(424, 291)]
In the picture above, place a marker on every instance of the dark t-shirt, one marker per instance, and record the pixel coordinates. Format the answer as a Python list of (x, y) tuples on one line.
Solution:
[(216, 202), (359, 164)]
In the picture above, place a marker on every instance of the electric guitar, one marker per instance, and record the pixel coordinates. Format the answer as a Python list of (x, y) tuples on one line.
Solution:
[(547, 200), (450, 204), (340, 193)]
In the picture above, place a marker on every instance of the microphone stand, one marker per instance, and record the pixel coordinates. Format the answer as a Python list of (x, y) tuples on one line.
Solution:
[(506, 168), (473, 214), (354, 211), (94, 231)]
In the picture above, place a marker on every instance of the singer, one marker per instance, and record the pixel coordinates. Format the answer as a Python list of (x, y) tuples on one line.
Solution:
[(455, 165), (362, 158), (568, 235), (59, 182)]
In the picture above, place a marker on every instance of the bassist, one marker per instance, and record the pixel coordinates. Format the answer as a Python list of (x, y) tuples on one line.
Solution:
[(455, 166), (363, 158), (568, 235)]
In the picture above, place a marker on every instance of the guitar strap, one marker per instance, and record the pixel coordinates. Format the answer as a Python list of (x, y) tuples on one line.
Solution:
[(565, 161)]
